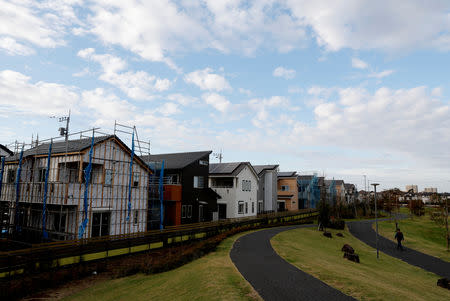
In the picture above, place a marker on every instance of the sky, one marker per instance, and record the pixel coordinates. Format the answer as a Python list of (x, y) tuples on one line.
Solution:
[(341, 88)]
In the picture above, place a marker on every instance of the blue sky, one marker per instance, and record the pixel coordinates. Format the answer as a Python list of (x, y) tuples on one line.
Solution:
[(342, 88)]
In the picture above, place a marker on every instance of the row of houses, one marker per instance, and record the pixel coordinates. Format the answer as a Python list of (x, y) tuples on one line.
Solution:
[(48, 192)]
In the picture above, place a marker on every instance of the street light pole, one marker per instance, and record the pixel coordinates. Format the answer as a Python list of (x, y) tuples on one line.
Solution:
[(376, 216)]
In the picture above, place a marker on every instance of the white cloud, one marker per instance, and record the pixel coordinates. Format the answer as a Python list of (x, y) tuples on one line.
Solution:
[(359, 64), (207, 80), (12, 47), (107, 107), (245, 91), (137, 85), (169, 108), (404, 121), (183, 100), (156, 29), (82, 73), (19, 94), (42, 24), (283, 72), (437, 92), (219, 102), (381, 74), (384, 24), (264, 109)]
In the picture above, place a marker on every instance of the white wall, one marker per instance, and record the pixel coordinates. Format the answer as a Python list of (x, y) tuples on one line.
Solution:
[(232, 196)]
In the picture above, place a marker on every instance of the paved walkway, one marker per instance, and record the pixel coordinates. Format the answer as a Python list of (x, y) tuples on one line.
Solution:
[(271, 276), (364, 232)]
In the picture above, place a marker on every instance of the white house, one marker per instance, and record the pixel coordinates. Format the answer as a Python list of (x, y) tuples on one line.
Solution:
[(267, 187), (237, 184)]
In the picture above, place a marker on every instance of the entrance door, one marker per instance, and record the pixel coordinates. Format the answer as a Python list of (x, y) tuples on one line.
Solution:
[(281, 206), (222, 211), (100, 223), (201, 217)]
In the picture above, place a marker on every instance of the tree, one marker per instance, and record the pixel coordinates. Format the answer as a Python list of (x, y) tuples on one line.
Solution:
[(324, 214), (443, 208)]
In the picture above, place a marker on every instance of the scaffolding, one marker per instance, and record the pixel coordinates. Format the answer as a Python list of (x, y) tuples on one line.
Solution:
[(332, 193), (83, 185), (309, 190)]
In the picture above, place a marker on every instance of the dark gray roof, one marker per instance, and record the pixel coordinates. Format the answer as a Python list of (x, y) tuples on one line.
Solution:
[(176, 160), (232, 168), (336, 182), (349, 186), (60, 147), (4, 148), (260, 168), (306, 178), (287, 174)]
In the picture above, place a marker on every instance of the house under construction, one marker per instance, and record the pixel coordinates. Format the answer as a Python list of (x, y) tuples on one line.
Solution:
[(79, 188)]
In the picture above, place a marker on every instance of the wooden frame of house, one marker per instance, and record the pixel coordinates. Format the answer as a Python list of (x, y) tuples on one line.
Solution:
[(109, 190)]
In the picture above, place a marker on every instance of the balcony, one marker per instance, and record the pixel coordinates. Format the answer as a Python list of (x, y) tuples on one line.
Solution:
[(172, 192)]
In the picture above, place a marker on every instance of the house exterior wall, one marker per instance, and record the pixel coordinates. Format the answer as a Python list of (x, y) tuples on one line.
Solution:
[(267, 190), (291, 203), (232, 196), (192, 196), (109, 157), (340, 193)]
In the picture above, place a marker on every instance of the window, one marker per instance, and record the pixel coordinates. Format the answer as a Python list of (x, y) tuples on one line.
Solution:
[(222, 183), (136, 217), (246, 207), (108, 177), (183, 211), (11, 178), (284, 187), (241, 207), (59, 222), (199, 182), (203, 162), (68, 172), (135, 182), (189, 211), (246, 185), (100, 224), (200, 213), (253, 207), (41, 175), (173, 179)]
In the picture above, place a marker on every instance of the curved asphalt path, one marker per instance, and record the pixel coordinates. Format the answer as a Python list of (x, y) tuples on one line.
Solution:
[(364, 232), (271, 276)]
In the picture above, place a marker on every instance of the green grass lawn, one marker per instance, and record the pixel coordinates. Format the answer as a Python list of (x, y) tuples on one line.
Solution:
[(212, 277), (384, 279), (421, 234)]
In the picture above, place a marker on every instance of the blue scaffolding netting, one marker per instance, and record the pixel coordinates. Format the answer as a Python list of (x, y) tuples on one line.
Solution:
[(87, 177), (19, 170), (44, 202)]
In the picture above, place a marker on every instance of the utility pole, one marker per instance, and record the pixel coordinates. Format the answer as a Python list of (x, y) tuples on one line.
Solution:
[(218, 156), (376, 216)]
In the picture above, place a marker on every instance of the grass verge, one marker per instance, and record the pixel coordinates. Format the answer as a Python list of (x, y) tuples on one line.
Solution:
[(385, 279), (212, 277), (421, 234)]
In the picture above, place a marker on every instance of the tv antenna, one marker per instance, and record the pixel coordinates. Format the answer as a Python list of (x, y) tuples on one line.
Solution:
[(219, 156), (64, 131)]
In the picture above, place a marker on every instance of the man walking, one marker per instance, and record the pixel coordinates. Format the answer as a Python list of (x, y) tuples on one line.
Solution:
[(399, 237)]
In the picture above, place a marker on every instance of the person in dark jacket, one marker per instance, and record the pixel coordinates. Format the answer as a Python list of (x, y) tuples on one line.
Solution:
[(399, 237)]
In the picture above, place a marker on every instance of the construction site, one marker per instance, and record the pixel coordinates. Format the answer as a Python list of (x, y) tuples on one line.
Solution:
[(80, 185)]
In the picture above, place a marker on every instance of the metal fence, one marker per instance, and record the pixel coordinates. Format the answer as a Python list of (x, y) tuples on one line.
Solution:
[(63, 253)]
